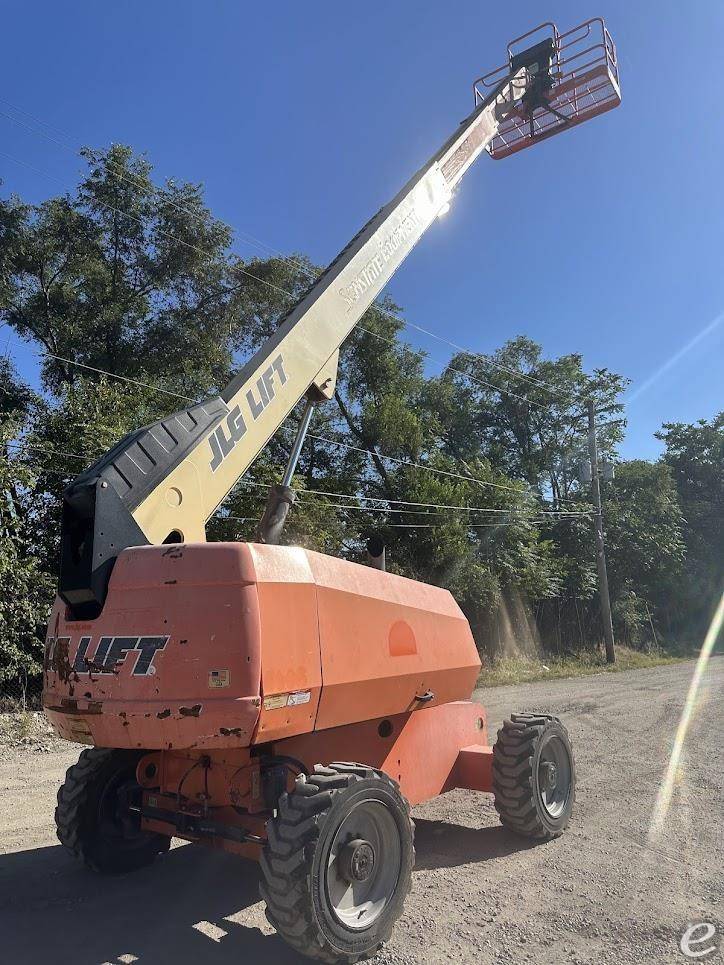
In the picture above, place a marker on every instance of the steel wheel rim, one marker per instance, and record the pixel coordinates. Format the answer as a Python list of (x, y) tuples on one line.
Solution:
[(369, 827), (554, 776)]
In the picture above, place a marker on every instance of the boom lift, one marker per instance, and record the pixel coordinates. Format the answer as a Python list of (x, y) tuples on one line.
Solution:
[(221, 684)]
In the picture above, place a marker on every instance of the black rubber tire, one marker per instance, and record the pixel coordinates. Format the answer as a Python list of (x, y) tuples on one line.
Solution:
[(299, 839), (516, 783), (101, 846)]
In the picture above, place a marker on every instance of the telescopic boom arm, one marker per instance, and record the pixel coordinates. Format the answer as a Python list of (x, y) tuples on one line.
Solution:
[(160, 484)]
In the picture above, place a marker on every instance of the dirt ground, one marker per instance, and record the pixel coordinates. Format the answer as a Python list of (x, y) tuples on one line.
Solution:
[(604, 892)]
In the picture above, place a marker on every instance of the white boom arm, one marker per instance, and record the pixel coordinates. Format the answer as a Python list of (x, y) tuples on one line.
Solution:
[(161, 483)]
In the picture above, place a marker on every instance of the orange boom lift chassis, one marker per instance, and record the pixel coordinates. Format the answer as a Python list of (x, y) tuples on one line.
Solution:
[(265, 699)]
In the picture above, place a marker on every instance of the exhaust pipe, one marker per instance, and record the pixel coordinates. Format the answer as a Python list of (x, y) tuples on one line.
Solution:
[(376, 552)]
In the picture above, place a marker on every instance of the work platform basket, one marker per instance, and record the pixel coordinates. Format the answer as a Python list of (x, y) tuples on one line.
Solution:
[(569, 78)]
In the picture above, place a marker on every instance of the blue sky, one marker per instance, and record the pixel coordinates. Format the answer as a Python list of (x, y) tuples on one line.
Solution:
[(301, 119)]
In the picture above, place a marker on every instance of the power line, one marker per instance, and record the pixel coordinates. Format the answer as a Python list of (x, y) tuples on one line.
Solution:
[(245, 519), (476, 355), (124, 378), (311, 435), (22, 444), (292, 262), (415, 465), (323, 439), (161, 231), (407, 502), (470, 525), (138, 183), (453, 368), (422, 510), (288, 294)]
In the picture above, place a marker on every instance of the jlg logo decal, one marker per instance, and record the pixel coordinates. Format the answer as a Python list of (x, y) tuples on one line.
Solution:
[(223, 439), (110, 654)]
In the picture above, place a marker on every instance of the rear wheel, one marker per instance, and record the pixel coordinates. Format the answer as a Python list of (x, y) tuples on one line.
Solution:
[(534, 775), (95, 819), (337, 865)]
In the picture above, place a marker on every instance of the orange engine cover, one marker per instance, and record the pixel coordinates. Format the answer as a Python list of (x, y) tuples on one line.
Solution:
[(232, 644)]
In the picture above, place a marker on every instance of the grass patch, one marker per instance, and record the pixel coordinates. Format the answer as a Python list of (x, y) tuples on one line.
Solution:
[(516, 670), (25, 725)]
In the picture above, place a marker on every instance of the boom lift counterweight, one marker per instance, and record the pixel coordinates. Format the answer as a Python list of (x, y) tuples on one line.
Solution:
[(221, 684)]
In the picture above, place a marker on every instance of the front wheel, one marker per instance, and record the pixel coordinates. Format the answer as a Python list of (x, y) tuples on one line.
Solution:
[(534, 775), (337, 865), (95, 817)]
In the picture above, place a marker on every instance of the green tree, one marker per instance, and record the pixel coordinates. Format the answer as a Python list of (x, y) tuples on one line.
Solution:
[(122, 276), (695, 455), (645, 547), (25, 587), (64, 436), (527, 413), (140, 282)]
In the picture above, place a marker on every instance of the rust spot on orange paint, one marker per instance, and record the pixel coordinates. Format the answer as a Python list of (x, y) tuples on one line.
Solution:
[(62, 663), (190, 711)]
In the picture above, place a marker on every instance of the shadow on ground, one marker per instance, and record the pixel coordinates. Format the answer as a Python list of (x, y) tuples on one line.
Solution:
[(52, 910), (439, 844)]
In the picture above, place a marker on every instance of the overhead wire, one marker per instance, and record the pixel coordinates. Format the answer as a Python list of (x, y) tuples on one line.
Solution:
[(498, 525), (23, 444), (423, 508), (416, 465), (452, 368), (137, 182), (370, 453), (115, 375), (470, 525), (186, 398), (324, 439), (298, 265), (407, 502)]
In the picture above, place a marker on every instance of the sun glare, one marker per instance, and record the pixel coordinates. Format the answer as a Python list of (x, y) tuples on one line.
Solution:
[(673, 771)]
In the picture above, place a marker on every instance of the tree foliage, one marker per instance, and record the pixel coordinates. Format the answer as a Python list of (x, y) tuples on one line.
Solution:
[(644, 531), (25, 583), (695, 456), (132, 297)]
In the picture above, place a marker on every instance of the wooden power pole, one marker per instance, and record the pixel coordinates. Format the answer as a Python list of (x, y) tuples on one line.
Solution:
[(600, 548)]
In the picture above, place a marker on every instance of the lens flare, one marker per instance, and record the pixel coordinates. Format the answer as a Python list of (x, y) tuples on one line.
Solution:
[(666, 790), (675, 359)]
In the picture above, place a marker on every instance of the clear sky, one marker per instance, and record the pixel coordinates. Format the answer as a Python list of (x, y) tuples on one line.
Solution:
[(302, 118)]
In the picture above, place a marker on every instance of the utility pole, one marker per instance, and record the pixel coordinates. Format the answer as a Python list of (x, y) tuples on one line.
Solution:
[(600, 548)]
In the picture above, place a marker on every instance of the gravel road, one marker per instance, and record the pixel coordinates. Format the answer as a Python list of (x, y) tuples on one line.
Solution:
[(604, 892)]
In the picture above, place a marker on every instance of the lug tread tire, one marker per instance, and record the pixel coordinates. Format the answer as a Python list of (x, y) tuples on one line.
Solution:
[(74, 796), (287, 857), (514, 782)]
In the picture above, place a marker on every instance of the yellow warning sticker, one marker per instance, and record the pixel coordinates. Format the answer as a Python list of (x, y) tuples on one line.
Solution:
[(275, 701), (218, 678)]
